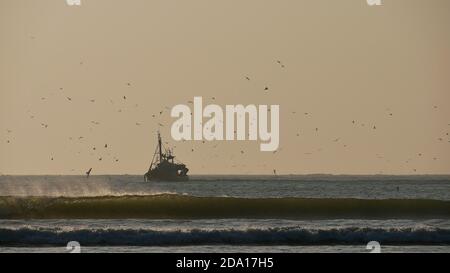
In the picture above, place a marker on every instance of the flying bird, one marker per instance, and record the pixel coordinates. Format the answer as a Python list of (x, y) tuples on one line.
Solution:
[(280, 63)]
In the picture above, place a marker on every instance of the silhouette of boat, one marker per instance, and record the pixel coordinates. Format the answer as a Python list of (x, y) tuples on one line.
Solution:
[(163, 166)]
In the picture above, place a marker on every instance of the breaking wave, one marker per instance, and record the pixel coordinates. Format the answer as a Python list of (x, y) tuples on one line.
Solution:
[(274, 236), (168, 206)]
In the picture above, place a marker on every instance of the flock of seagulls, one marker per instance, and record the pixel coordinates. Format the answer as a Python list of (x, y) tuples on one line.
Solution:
[(80, 139), (101, 153)]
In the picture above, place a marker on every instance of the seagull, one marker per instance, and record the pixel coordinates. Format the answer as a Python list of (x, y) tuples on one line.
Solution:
[(280, 63)]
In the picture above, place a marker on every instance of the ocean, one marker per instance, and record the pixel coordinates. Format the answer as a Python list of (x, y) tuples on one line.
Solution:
[(308, 213)]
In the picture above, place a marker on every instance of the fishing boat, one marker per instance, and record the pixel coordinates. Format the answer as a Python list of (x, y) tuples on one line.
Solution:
[(163, 166)]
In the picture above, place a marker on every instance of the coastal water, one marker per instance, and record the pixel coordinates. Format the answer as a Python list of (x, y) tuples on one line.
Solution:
[(315, 213)]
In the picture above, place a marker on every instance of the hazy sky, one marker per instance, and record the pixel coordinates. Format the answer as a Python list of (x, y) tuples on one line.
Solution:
[(386, 67)]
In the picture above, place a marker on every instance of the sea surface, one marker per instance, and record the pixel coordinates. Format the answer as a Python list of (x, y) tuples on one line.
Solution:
[(311, 213)]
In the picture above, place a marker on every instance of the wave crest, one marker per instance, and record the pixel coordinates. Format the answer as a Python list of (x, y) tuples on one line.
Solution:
[(188, 207)]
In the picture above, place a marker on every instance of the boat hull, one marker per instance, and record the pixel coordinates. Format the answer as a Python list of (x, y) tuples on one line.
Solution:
[(165, 178)]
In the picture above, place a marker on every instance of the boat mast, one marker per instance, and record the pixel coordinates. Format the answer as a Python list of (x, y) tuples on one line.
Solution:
[(160, 147)]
